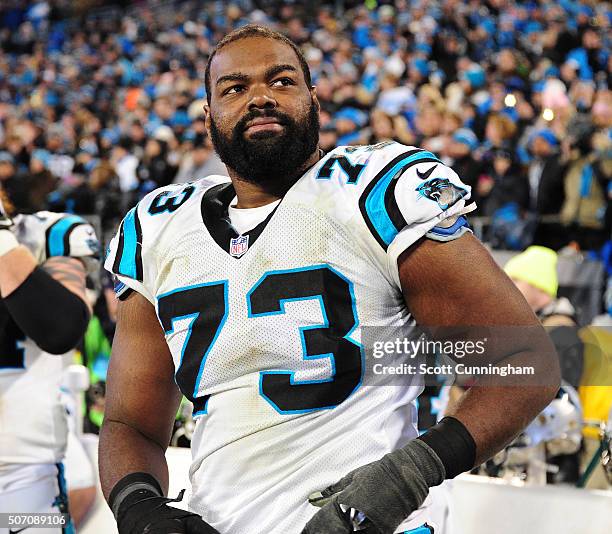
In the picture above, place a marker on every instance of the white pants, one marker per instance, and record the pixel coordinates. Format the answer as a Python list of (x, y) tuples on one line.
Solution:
[(34, 488), (79, 470)]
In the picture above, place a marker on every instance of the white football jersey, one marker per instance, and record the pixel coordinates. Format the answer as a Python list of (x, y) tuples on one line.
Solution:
[(265, 327), (33, 424)]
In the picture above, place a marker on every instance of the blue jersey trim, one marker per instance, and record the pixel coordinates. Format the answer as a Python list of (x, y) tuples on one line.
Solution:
[(58, 233), (119, 287), (130, 248), (459, 223), (424, 529), (61, 500), (127, 265), (375, 202)]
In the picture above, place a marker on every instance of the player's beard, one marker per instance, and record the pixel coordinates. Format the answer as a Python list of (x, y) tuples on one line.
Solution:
[(271, 160)]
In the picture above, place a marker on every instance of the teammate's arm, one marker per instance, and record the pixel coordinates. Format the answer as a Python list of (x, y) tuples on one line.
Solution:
[(48, 304), (141, 403), (71, 273)]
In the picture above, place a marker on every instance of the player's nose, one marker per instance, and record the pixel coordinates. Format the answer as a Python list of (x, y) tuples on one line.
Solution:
[(261, 98)]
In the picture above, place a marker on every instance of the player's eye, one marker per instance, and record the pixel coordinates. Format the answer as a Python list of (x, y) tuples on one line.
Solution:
[(234, 89), (282, 82)]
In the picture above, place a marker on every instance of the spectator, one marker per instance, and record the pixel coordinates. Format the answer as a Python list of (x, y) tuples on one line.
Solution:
[(461, 149), (201, 161), (125, 165), (155, 167), (14, 145), (534, 273), (104, 183), (81, 198), (388, 128), (503, 183), (37, 184), (7, 167), (328, 139), (499, 132), (546, 172), (586, 186), (428, 126)]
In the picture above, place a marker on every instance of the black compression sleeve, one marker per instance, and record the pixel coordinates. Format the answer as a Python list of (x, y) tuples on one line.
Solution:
[(48, 313), (453, 443)]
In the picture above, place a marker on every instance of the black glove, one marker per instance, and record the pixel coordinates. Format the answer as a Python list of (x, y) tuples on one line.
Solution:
[(143, 510), (386, 492)]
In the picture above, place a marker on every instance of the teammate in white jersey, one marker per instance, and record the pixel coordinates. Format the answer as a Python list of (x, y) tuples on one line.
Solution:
[(43, 313), (253, 291)]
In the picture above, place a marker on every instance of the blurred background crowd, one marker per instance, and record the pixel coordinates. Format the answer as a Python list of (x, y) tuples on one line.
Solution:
[(101, 102)]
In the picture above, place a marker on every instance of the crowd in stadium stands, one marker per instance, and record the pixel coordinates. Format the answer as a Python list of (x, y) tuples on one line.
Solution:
[(100, 103)]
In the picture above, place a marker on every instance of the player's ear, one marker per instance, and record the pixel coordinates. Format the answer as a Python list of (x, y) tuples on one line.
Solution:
[(207, 118), (313, 95)]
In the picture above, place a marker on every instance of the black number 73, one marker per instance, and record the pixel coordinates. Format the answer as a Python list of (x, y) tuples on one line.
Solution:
[(206, 305)]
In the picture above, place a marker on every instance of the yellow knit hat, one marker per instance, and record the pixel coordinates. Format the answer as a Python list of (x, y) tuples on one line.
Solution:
[(536, 266)]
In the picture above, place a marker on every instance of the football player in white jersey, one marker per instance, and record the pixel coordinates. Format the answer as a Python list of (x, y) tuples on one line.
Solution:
[(251, 293), (44, 258)]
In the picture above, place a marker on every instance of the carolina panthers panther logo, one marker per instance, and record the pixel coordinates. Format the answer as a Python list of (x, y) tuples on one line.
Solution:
[(442, 191)]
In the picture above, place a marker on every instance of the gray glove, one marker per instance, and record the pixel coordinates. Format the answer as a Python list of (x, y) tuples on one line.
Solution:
[(386, 492)]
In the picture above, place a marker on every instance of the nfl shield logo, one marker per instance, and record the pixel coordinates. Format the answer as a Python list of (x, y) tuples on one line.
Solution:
[(239, 245)]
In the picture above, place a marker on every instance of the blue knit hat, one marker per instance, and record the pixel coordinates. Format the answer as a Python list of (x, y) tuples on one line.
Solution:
[(546, 134), (467, 137), (475, 76), (421, 66), (356, 116)]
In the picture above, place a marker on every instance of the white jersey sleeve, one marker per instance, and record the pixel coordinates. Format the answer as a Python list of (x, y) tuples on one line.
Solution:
[(411, 194), (124, 256), (47, 234), (133, 253)]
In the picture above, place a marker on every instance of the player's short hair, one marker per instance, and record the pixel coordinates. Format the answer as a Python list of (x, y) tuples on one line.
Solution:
[(255, 30)]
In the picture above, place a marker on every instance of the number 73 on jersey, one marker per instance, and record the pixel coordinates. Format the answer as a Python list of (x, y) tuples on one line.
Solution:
[(206, 307)]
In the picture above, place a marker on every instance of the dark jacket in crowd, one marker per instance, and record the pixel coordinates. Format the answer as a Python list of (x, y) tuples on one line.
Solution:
[(511, 188), (550, 195), (470, 170)]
